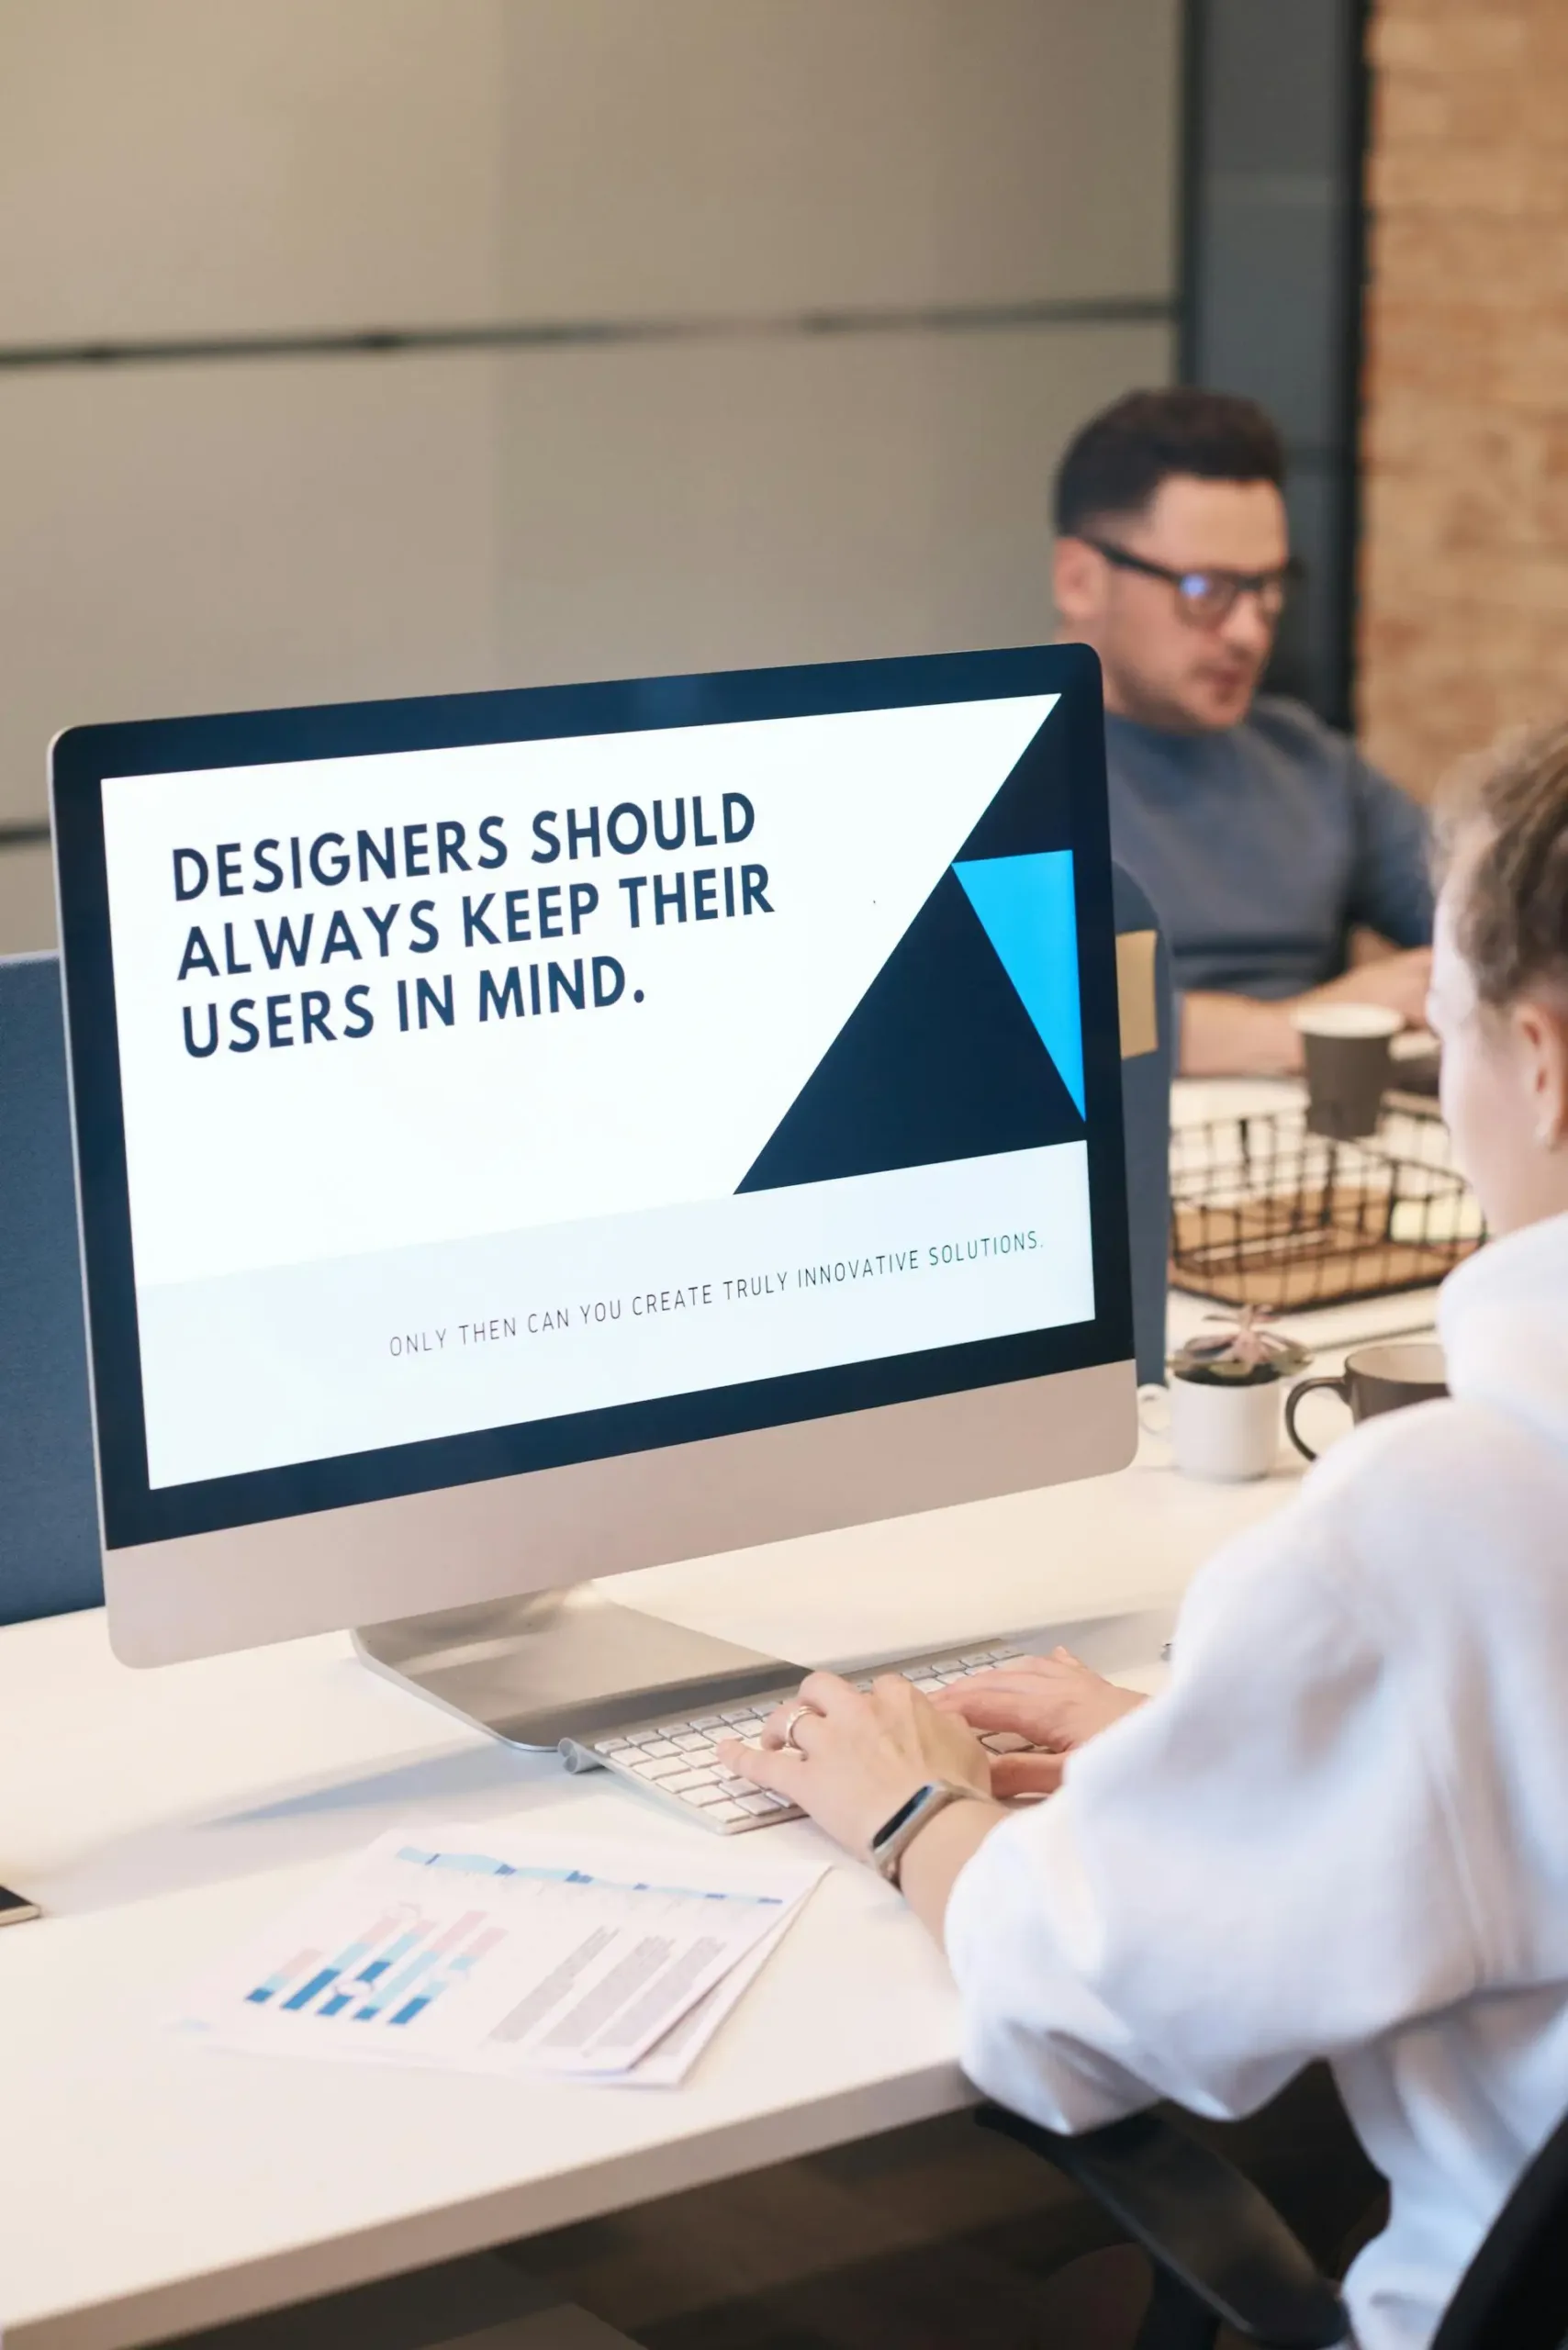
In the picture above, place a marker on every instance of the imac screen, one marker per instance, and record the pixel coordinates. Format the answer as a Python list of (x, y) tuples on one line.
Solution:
[(604, 1088)]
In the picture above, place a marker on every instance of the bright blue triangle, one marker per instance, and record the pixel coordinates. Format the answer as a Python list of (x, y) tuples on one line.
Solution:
[(1027, 909)]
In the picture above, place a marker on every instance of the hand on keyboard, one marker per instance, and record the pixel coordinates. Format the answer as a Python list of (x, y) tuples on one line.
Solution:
[(677, 1760), (851, 1756), (1053, 1702)]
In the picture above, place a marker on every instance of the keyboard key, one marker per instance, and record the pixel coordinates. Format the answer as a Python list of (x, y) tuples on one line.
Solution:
[(611, 1745), (756, 1802), (1005, 1742), (659, 1767), (706, 1721), (679, 1781), (660, 1749), (690, 1739), (726, 1810)]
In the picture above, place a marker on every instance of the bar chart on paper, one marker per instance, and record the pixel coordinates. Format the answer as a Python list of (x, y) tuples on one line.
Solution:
[(389, 1973), (435, 1952)]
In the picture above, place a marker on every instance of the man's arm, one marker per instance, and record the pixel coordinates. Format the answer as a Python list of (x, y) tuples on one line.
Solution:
[(1241, 1036), (1236, 1035), (1391, 889)]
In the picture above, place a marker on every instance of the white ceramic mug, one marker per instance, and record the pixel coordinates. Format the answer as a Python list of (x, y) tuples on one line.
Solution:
[(1227, 1433)]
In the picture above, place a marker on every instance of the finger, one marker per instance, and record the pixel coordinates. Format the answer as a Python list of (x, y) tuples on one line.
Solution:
[(1025, 1775), (1049, 1677), (829, 1694), (821, 1692), (951, 1700), (999, 1709), (958, 1695), (1027, 1668), (1019, 1705), (1032, 1664), (770, 1767), (786, 1722), (893, 1689)]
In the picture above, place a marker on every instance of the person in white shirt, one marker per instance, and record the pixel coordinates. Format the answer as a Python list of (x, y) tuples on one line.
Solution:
[(1341, 1831)]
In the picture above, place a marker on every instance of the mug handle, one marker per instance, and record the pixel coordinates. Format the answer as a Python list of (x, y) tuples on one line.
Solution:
[(1341, 1387), (1153, 1394)]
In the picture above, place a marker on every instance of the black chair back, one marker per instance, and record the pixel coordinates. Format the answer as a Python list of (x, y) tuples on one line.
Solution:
[(1143, 971), (49, 1559), (1514, 2295)]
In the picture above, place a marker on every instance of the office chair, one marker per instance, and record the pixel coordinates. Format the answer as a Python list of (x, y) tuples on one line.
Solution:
[(1149, 1043), (1222, 2254), (50, 1559)]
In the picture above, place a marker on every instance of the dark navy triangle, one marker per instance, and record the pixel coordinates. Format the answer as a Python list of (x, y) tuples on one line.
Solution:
[(938, 1060)]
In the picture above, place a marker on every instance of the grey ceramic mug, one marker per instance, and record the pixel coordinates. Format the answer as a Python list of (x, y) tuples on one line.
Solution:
[(1374, 1380)]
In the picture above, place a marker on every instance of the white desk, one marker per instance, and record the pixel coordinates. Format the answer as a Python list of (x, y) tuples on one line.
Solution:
[(148, 2187)]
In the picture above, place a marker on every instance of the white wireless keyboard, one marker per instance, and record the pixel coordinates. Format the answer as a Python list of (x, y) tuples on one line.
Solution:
[(676, 1757)]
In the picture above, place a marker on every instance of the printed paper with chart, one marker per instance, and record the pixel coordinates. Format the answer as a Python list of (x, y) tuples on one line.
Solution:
[(467, 1948)]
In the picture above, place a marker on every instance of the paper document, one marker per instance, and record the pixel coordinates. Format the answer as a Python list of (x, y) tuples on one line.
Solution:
[(509, 1952)]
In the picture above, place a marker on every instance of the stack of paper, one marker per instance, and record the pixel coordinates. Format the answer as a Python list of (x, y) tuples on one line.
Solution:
[(509, 1953)]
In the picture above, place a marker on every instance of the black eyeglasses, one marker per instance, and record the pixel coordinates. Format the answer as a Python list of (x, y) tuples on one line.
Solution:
[(1207, 598)]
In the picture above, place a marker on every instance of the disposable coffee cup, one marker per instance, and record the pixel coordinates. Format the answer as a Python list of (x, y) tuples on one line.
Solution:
[(1346, 1047)]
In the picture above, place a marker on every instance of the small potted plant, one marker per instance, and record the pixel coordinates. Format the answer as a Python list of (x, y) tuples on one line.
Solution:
[(1241, 1353), (1222, 1402)]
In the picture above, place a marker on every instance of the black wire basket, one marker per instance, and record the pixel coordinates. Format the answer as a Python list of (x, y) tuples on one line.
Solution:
[(1264, 1213)]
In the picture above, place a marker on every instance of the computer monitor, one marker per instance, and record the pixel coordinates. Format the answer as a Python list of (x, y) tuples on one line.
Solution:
[(523, 1137)]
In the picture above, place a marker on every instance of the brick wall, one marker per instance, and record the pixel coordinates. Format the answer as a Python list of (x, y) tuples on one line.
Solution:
[(1465, 562)]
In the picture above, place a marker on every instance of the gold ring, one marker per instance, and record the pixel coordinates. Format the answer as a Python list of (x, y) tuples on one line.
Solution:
[(790, 1740)]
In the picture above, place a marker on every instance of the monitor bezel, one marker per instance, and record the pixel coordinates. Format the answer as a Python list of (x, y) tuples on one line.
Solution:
[(135, 1514)]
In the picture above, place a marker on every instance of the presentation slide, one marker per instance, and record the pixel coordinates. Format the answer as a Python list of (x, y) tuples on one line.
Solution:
[(474, 1087)]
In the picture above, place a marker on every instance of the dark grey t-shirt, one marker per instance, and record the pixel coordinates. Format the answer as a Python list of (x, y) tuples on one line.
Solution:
[(1261, 845)]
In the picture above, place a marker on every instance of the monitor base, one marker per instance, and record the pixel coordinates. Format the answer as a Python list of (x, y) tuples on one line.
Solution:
[(567, 1663)]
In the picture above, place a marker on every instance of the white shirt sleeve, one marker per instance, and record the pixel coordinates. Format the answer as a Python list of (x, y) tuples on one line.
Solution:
[(1257, 1868)]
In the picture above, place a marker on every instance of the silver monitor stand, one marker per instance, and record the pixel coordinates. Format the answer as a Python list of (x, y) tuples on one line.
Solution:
[(567, 1663)]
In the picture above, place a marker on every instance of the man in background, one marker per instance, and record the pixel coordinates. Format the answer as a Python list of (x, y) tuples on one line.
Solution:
[(1263, 838)]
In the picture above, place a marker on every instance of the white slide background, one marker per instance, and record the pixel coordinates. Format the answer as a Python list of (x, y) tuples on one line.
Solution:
[(314, 1223), (259, 1369), (283, 1156)]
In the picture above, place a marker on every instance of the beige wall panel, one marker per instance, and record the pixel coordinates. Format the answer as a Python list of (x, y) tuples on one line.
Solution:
[(213, 167), (217, 537), (231, 536), (783, 154), (26, 901), (208, 167), (799, 500)]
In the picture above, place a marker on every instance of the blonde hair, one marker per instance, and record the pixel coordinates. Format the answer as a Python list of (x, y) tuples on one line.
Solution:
[(1507, 811)]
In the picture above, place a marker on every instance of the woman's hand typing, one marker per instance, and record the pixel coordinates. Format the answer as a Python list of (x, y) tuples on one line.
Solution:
[(851, 1758), (1056, 1702)]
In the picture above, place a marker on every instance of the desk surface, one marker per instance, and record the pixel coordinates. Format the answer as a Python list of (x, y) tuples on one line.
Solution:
[(148, 2187)]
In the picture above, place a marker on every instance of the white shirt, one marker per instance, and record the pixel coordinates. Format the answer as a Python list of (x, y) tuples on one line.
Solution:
[(1342, 1831)]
